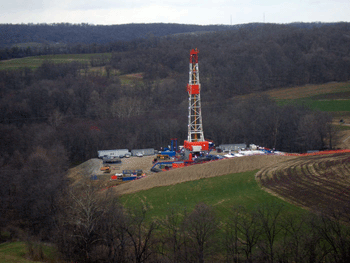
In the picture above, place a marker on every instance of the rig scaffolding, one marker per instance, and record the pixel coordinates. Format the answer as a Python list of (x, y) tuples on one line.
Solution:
[(195, 139)]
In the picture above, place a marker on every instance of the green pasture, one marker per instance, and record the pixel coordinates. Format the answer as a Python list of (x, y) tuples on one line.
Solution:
[(330, 105), (343, 127), (17, 252), (327, 105), (35, 62), (221, 192)]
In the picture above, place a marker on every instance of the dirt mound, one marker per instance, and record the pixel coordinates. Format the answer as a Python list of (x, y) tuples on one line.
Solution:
[(198, 171), (310, 181), (87, 168)]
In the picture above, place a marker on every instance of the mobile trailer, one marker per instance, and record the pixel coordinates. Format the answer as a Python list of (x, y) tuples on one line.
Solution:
[(113, 153), (144, 152)]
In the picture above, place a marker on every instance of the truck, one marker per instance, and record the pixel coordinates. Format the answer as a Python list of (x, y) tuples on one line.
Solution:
[(106, 169)]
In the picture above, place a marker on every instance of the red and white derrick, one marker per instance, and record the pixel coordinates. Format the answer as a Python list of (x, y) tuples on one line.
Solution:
[(195, 139)]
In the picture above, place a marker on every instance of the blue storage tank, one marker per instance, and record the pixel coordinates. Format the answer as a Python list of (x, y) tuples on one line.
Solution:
[(170, 153), (130, 178)]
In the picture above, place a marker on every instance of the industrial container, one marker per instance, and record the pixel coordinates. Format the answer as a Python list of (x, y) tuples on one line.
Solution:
[(169, 153), (113, 153), (130, 178), (144, 152), (231, 147)]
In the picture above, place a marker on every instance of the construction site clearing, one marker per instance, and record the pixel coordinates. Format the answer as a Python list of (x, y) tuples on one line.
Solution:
[(196, 159), (133, 168), (240, 161)]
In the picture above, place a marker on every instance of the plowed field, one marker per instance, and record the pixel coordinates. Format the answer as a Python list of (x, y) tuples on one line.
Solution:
[(313, 182)]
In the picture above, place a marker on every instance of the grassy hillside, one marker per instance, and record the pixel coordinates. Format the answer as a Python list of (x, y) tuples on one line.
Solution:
[(18, 252), (35, 62), (223, 192), (332, 97)]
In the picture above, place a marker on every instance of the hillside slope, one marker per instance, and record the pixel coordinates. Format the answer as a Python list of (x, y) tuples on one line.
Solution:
[(314, 182), (199, 171)]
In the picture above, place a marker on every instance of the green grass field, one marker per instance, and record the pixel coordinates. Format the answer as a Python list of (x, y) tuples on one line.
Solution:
[(324, 97), (16, 252), (332, 105), (35, 62), (221, 192)]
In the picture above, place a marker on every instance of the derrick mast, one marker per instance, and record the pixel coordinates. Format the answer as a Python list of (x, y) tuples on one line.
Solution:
[(195, 138)]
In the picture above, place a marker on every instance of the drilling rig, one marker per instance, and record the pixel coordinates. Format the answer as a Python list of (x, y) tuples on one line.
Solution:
[(195, 139)]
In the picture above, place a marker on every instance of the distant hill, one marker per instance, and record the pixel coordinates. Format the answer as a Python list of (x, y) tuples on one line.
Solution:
[(23, 35), (87, 34)]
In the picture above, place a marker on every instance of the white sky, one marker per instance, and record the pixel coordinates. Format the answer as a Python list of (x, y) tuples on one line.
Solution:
[(200, 12)]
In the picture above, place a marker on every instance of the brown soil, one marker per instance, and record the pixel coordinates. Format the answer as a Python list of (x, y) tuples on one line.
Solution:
[(93, 167), (308, 181), (191, 173), (343, 139), (87, 168), (313, 182), (198, 171), (307, 90)]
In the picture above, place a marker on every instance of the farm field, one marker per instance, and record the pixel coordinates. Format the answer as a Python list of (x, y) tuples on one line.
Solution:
[(35, 62), (324, 91), (17, 252), (284, 176), (310, 181), (223, 192), (334, 105), (331, 97), (306, 181), (199, 171)]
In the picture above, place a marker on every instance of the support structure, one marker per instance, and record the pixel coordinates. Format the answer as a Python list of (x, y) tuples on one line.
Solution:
[(195, 139)]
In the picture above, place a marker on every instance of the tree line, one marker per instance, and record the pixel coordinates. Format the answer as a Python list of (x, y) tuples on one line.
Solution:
[(24, 35), (66, 33), (93, 229)]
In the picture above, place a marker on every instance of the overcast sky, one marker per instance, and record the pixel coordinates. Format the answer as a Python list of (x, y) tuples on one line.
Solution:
[(200, 12)]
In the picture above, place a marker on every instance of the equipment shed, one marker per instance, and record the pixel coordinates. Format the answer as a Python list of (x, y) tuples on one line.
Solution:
[(145, 152)]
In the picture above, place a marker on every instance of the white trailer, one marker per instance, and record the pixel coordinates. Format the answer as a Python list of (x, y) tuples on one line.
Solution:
[(144, 152), (113, 153)]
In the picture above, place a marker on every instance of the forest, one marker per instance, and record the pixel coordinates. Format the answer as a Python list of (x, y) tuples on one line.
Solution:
[(58, 115), (21, 40)]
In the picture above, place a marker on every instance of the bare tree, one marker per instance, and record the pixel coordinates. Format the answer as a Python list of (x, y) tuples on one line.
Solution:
[(117, 242), (249, 226), (79, 224), (297, 240), (141, 233), (201, 227), (173, 237), (269, 216), (330, 227), (231, 239)]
